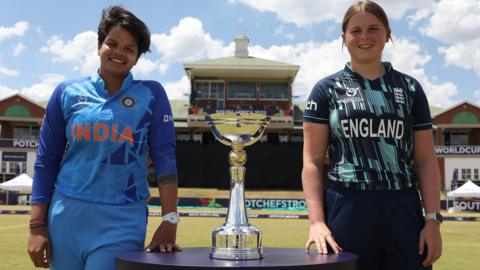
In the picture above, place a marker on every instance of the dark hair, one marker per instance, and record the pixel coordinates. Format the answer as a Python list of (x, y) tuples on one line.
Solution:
[(117, 15), (368, 7)]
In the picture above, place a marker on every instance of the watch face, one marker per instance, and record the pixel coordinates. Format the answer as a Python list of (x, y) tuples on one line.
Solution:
[(171, 217), (439, 217)]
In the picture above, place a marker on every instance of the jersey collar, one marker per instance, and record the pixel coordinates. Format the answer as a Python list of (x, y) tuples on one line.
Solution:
[(100, 84), (387, 65)]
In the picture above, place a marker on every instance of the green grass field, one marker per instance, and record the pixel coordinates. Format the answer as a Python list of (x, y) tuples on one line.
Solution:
[(461, 239)]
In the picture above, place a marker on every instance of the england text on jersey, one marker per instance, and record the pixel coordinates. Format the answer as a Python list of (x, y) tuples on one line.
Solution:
[(372, 128)]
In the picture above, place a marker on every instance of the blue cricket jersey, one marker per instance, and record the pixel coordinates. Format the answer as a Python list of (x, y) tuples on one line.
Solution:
[(93, 146), (371, 127)]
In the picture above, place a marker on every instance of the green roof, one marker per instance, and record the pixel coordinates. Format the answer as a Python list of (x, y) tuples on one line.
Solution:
[(241, 61), (17, 110)]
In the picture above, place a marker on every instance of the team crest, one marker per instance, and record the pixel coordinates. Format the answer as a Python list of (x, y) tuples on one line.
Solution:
[(128, 102)]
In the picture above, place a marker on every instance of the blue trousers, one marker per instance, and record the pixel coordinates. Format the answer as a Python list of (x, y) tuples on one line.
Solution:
[(382, 227), (89, 236)]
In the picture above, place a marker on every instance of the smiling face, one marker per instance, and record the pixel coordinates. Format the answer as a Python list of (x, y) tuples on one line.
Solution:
[(118, 53), (365, 37)]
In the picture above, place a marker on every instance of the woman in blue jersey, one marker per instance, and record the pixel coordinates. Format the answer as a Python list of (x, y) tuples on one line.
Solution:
[(375, 123), (90, 189)]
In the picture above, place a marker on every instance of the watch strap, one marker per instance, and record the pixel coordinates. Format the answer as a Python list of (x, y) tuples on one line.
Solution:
[(434, 216)]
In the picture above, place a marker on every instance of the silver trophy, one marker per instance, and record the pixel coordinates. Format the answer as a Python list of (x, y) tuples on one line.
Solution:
[(236, 239)]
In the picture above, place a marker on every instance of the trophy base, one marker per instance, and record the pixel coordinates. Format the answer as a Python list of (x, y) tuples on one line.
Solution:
[(236, 243), (236, 254)]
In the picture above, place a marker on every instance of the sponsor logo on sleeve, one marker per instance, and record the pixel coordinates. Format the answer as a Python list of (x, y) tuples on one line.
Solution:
[(167, 118), (311, 105)]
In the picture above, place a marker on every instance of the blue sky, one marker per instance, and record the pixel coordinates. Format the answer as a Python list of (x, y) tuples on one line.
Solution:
[(45, 42)]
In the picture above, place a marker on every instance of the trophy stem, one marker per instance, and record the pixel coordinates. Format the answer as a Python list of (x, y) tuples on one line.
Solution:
[(237, 214)]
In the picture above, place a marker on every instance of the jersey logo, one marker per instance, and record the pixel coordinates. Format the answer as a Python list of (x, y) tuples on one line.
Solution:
[(351, 95), (82, 98), (399, 97), (128, 101), (351, 92)]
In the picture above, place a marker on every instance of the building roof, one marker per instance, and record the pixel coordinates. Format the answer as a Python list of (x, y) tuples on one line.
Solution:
[(241, 62), (442, 111), (39, 104), (241, 67)]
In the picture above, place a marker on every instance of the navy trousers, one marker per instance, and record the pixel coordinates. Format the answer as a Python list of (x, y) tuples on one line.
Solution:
[(382, 227)]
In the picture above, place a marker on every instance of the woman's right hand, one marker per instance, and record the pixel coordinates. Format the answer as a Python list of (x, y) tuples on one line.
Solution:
[(321, 235), (39, 247)]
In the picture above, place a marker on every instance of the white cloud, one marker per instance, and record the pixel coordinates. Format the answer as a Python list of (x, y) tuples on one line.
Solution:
[(303, 13), (316, 61), (463, 54), (19, 48), (412, 61), (5, 91), (418, 16), (8, 72), (81, 50), (43, 90), (454, 21), (187, 42), (178, 89), (146, 66), (18, 30)]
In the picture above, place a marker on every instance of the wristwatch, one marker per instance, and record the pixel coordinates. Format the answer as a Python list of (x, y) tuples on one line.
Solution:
[(172, 217), (437, 217)]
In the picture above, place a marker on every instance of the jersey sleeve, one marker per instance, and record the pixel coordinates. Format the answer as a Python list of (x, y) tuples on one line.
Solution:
[(317, 106), (421, 110), (51, 149), (162, 134)]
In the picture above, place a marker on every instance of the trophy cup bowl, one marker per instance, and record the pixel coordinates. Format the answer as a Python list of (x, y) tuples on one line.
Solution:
[(237, 240)]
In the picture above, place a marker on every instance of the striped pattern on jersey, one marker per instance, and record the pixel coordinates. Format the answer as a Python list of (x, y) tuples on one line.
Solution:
[(371, 127)]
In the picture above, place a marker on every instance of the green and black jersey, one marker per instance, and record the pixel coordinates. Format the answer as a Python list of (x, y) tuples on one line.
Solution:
[(371, 127)]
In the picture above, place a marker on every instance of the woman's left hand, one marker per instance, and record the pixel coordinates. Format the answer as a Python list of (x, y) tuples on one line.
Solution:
[(163, 239), (431, 239)]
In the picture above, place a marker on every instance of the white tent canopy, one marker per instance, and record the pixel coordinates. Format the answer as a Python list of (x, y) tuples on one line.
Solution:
[(469, 189), (22, 182)]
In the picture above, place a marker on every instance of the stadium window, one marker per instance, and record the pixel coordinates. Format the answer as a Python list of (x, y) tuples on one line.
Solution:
[(4, 167), (475, 174), (242, 90), (24, 167), (458, 139), (25, 132), (13, 166), (466, 174), (274, 90), (209, 89)]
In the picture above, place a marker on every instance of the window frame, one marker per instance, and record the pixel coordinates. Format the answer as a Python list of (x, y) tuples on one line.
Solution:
[(273, 82)]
